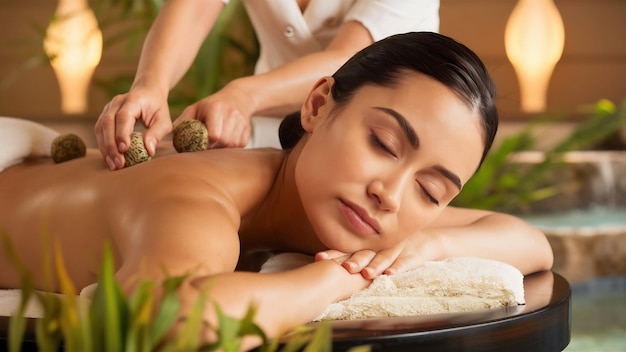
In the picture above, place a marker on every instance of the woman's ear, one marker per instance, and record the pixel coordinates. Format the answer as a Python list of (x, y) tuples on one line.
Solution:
[(319, 97)]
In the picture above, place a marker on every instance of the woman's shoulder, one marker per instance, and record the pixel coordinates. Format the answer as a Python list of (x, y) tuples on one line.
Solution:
[(243, 175)]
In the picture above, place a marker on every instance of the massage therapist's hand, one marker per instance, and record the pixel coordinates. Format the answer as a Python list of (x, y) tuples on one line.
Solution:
[(407, 255), (117, 121), (226, 115)]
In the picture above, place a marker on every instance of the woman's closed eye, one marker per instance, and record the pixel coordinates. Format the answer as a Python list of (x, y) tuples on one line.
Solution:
[(428, 195), (378, 143)]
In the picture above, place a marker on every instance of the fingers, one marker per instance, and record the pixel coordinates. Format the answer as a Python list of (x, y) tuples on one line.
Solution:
[(227, 127), (158, 127), (113, 129), (404, 264), (231, 131), (359, 261), (352, 262), (330, 254), (117, 122), (372, 264), (379, 263)]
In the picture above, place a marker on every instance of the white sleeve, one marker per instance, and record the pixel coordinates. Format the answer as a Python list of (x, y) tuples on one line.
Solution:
[(383, 18)]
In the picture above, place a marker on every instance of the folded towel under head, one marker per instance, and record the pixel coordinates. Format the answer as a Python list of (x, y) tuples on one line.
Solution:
[(453, 285)]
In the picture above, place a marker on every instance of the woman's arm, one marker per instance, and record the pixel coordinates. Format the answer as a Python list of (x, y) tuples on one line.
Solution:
[(174, 40), (283, 89), (191, 230), (280, 91), (458, 232), (283, 300), (492, 235)]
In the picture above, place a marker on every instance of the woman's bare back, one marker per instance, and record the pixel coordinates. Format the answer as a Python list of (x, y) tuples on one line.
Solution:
[(81, 204)]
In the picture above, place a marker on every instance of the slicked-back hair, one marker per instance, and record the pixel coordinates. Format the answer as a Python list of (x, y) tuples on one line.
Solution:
[(385, 62)]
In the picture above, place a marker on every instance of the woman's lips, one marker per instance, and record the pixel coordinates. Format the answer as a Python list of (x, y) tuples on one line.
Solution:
[(359, 218)]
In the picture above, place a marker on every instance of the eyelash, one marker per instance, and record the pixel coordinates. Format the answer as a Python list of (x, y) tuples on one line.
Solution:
[(430, 198), (379, 144)]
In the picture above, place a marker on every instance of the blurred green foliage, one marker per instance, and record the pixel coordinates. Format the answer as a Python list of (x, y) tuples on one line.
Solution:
[(229, 51), (507, 186), (112, 321)]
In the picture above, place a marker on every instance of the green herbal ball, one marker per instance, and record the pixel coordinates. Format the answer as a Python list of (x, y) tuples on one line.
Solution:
[(137, 152), (67, 147), (190, 136)]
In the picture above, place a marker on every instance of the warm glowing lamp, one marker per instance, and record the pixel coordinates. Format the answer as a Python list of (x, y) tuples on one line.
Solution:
[(534, 39), (74, 44)]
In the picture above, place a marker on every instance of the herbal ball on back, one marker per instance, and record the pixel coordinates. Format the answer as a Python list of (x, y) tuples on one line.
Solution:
[(136, 152), (190, 136), (67, 147)]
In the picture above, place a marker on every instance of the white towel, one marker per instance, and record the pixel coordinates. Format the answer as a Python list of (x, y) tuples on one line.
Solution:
[(21, 138), (10, 301), (453, 285)]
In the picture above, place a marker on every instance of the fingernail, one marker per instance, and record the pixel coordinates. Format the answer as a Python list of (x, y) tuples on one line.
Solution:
[(110, 163), (118, 162), (349, 265), (121, 147), (151, 147)]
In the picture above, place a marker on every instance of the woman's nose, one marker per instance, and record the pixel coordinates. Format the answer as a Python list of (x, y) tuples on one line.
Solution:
[(386, 194)]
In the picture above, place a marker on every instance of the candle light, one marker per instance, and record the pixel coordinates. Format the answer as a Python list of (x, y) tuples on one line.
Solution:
[(534, 40), (74, 45)]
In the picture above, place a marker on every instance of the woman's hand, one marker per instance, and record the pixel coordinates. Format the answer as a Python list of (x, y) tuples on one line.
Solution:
[(226, 115), (407, 255), (117, 121)]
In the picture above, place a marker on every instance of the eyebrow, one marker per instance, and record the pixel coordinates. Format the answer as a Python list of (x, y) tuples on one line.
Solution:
[(404, 124), (411, 135), (449, 175)]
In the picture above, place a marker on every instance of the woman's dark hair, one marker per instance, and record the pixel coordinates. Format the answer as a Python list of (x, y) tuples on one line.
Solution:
[(384, 62)]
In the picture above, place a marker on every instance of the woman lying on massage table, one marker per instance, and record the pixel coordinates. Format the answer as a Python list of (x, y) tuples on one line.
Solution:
[(388, 141)]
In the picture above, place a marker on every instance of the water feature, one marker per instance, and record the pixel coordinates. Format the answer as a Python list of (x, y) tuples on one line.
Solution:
[(587, 231)]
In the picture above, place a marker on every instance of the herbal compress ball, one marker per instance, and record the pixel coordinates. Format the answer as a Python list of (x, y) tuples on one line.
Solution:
[(190, 136), (137, 152), (67, 147)]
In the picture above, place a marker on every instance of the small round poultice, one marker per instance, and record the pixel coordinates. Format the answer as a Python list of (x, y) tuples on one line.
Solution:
[(137, 152), (67, 147), (190, 136)]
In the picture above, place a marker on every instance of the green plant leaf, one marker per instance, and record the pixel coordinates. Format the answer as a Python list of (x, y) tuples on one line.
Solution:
[(109, 309), (298, 338), (47, 328), (140, 309), (322, 339), (191, 331), (17, 323), (69, 311), (168, 310)]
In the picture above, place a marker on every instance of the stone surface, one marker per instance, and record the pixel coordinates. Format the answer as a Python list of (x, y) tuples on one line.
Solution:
[(583, 255)]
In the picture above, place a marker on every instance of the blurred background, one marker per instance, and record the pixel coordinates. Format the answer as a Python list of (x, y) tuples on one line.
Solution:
[(559, 159)]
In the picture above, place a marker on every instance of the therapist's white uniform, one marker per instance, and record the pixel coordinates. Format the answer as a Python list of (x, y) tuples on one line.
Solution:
[(285, 33)]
